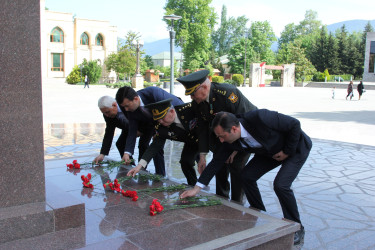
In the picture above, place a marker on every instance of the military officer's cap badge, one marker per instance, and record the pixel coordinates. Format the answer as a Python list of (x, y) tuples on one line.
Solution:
[(233, 98), (193, 80), (159, 109)]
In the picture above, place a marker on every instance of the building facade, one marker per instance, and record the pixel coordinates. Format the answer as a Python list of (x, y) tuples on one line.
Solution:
[(369, 67), (66, 41)]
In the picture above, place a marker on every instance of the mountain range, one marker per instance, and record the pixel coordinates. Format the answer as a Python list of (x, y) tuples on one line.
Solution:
[(162, 45)]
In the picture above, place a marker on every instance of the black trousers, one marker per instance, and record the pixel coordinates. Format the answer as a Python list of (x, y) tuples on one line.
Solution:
[(222, 184), (258, 166), (121, 141), (143, 143), (188, 157)]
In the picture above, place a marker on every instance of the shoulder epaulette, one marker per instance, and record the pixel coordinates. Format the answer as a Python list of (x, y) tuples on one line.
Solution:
[(183, 106)]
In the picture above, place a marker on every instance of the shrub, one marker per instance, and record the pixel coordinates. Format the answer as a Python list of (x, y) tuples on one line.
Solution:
[(118, 85), (308, 78), (218, 79), (238, 78), (149, 84), (230, 82), (92, 70), (75, 76), (319, 77)]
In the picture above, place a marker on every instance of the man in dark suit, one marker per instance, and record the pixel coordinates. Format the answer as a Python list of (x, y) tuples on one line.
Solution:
[(176, 124), (114, 118), (276, 139), (140, 119), (208, 99)]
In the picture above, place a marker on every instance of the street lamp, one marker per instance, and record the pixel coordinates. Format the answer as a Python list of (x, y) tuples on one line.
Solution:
[(138, 78), (172, 34)]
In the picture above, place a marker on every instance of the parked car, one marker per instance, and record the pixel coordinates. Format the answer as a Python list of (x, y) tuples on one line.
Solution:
[(338, 79)]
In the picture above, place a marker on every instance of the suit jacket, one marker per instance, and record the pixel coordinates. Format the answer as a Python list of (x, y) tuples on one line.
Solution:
[(141, 119), (120, 122), (222, 97), (274, 131), (187, 135)]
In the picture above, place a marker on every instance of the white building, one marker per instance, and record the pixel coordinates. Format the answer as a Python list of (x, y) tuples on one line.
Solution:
[(66, 41), (369, 67)]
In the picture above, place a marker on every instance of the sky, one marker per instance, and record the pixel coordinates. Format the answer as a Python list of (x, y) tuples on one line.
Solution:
[(145, 16)]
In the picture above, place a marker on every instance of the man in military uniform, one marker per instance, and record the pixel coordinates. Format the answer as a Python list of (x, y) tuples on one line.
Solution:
[(177, 124), (132, 103), (210, 98)]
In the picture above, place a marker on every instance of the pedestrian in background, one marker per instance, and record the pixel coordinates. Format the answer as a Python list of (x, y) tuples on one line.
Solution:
[(86, 82), (360, 90), (350, 91)]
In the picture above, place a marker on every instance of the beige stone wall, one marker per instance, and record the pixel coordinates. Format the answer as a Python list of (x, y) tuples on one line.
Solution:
[(74, 52), (368, 77)]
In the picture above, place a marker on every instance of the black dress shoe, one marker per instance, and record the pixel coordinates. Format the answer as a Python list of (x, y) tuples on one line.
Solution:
[(299, 235)]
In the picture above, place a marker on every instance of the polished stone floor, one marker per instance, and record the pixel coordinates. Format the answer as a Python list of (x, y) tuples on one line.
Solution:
[(335, 189)]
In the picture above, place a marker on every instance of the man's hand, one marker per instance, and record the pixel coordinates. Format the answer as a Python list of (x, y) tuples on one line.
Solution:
[(201, 163), (280, 156), (191, 192), (126, 158), (231, 157), (135, 170), (98, 159)]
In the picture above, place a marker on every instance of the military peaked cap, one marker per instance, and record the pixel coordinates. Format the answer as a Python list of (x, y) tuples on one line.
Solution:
[(159, 109), (193, 80)]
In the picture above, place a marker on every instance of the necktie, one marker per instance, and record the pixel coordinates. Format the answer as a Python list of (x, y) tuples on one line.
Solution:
[(244, 143)]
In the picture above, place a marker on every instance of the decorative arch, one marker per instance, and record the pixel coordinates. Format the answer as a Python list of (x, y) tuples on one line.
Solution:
[(57, 35), (99, 41), (84, 40)]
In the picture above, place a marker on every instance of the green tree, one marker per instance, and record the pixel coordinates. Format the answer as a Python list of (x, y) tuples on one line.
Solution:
[(355, 63), (288, 35), (319, 56), (332, 55), (294, 53), (308, 31), (194, 29), (343, 45), (262, 37), (310, 24), (125, 60), (236, 56), (229, 31), (92, 69), (149, 62)]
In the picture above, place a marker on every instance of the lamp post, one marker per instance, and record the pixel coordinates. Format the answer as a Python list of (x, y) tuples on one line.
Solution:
[(172, 35), (137, 81)]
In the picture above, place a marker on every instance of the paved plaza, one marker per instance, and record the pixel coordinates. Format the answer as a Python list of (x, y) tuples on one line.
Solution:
[(335, 189)]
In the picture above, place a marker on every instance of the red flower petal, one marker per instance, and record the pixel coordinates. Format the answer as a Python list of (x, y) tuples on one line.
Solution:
[(75, 161)]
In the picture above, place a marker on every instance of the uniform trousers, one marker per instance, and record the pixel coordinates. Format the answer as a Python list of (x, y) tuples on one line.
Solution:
[(290, 167)]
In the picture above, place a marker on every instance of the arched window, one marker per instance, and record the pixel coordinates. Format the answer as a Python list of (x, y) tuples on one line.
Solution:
[(84, 39), (57, 35), (99, 40)]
